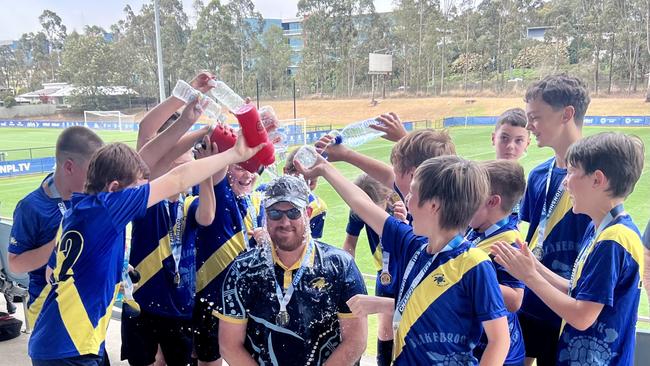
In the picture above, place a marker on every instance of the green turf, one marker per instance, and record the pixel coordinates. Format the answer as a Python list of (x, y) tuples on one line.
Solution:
[(471, 142)]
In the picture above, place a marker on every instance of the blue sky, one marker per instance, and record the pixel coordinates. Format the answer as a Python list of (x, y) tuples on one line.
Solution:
[(23, 14)]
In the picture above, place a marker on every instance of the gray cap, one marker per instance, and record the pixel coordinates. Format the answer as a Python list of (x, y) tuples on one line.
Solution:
[(287, 188)]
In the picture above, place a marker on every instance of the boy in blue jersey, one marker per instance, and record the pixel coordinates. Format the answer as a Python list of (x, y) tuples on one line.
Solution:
[(510, 137), (38, 215), (284, 303), (383, 197), (599, 303), (163, 251), (555, 107), (87, 265), (446, 291), (494, 222)]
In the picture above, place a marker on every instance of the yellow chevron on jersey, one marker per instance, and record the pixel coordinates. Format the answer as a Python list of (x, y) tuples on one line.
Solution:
[(219, 260), (509, 236), (430, 289), (563, 206)]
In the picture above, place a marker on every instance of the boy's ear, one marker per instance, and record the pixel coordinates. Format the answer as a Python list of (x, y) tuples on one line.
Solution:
[(568, 113), (600, 179), (113, 186), (309, 210), (494, 135), (494, 201), (68, 166)]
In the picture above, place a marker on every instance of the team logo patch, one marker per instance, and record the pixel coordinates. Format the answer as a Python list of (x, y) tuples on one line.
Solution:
[(319, 284), (13, 241), (439, 279)]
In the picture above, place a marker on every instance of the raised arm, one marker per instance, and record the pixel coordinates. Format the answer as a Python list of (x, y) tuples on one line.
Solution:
[(355, 197), (184, 176), (207, 204), (374, 168)]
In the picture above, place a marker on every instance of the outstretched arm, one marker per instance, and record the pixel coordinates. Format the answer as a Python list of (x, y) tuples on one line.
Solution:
[(207, 204), (355, 197)]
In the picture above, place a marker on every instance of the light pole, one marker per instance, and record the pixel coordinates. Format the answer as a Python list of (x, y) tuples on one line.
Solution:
[(161, 78)]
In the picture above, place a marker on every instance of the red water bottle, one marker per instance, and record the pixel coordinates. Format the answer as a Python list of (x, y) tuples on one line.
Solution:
[(226, 137), (255, 133)]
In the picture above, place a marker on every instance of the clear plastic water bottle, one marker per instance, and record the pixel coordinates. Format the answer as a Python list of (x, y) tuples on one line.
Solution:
[(357, 133), (212, 110), (226, 96), (185, 91), (306, 156)]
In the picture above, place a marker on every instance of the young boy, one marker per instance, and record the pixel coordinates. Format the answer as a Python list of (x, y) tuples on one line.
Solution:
[(510, 137), (555, 106), (493, 222), (87, 265), (599, 303), (38, 215), (447, 292)]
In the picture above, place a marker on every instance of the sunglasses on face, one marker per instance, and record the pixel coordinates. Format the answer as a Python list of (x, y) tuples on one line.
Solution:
[(275, 215)]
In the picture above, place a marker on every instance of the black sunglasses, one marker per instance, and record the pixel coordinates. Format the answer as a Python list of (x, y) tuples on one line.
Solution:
[(292, 214)]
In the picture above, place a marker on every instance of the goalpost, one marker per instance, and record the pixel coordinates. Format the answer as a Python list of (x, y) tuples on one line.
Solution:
[(109, 120)]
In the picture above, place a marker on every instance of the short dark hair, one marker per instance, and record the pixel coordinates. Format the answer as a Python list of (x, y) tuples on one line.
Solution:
[(461, 186), (507, 179), (515, 117), (377, 192), (418, 146), (77, 143), (617, 155), (561, 91), (114, 162), (289, 168)]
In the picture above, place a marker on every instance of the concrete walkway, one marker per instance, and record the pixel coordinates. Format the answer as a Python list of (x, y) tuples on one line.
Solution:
[(14, 352)]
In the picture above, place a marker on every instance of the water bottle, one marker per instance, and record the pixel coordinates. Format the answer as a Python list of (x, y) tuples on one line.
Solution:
[(212, 109), (226, 96), (357, 134), (184, 91), (306, 156)]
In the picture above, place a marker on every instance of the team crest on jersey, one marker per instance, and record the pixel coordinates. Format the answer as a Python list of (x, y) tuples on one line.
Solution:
[(13, 241), (319, 284), (439, 279)]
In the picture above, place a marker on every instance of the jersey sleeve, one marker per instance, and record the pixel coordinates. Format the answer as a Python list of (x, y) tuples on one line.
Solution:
[(398, 239), (483, 289), (316, 224), (600, 273), (355, 225), (233, 302), (351, 284), (527, 202), (506, 279), (125, 205), (24, 234)]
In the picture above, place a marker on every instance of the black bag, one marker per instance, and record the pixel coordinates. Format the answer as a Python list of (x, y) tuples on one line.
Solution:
[(9, 327)]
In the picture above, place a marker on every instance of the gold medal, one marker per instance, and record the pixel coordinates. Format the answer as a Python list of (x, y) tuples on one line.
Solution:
[(282, 319), (538, 252), (177, 279), (385, 278)]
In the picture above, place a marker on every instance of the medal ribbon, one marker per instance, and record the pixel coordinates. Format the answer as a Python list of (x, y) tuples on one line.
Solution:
[(284, 299), (176, 231), (402, 297), (548, 211), (582, 256)]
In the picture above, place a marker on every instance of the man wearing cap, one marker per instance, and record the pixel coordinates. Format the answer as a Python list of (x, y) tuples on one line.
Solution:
[(284, 302)]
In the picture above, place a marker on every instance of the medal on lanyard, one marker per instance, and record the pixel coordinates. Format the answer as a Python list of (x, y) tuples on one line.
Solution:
[(402, 297), (538, 251), (175, 236), (582, 256), (282, 318), (385, 278)]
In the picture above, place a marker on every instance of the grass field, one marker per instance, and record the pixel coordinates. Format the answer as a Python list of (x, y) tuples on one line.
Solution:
[(472, 142)]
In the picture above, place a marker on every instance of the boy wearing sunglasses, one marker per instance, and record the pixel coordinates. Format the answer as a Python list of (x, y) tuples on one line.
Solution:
[(285, 302)]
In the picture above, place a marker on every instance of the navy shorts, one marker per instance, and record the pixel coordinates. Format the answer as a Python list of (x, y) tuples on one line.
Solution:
[(206, 332), (541, 339), (85, 360)]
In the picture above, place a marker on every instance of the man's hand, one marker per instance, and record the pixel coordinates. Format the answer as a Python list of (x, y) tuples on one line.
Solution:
[(200, 81), (206, 149), (363, 305), (520, 263), (391, 125), (335, 152)]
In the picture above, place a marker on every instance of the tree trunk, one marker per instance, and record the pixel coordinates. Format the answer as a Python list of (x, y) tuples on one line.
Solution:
[(611, 61)]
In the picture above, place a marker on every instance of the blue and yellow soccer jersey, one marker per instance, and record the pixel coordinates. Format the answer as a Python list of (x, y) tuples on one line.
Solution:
[(218, 244), (317, 217), (564, 232), (610, 274), (151, 255), (87, 272), (354, 227), (441, 322), (508, 233), (37, 218), (319, 300)]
